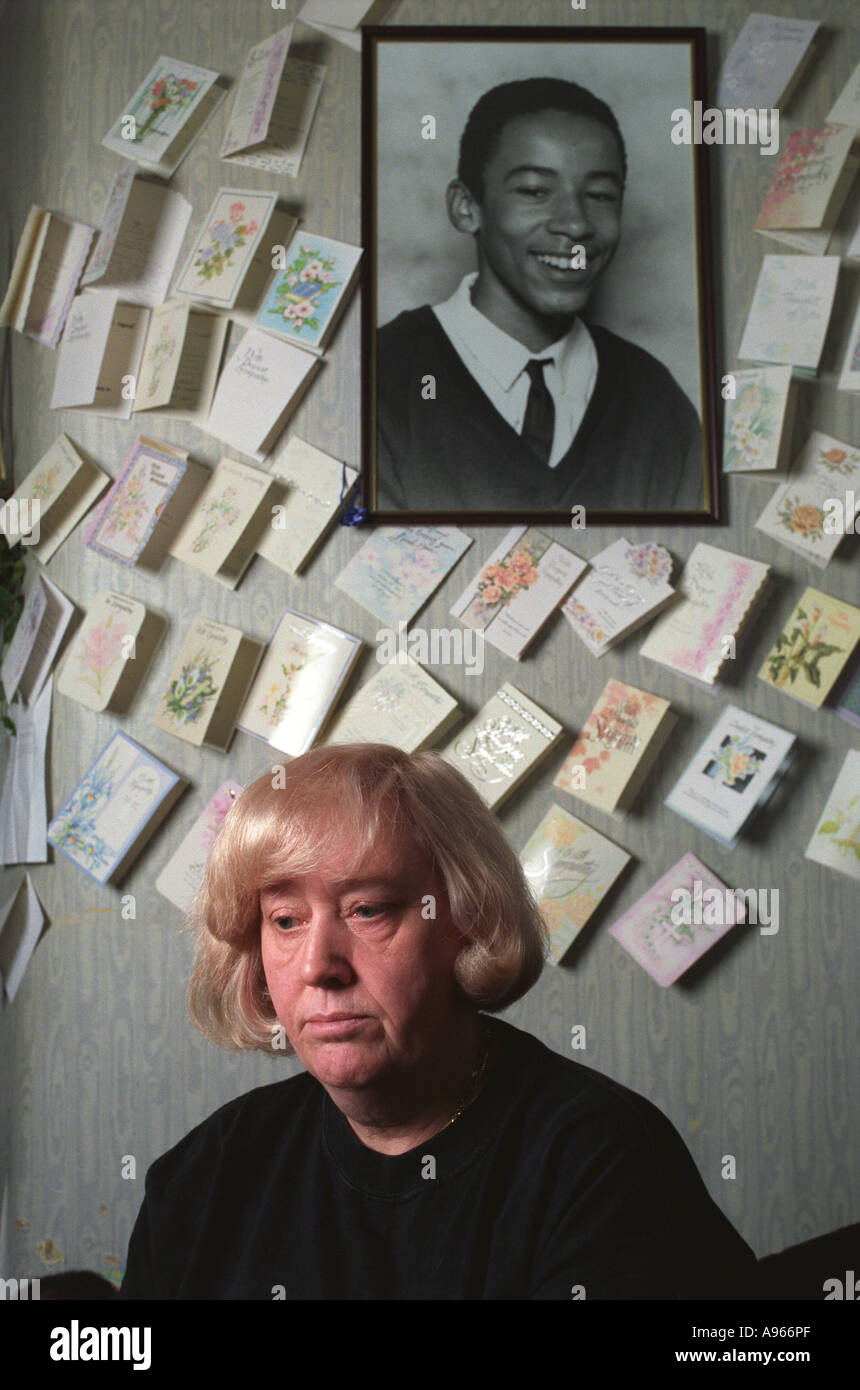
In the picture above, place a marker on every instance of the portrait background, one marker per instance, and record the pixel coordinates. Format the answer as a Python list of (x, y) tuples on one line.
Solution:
[(649, 293), (757, 1056)]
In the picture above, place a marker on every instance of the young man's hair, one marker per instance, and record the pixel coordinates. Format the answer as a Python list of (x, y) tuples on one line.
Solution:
[(489, 116)]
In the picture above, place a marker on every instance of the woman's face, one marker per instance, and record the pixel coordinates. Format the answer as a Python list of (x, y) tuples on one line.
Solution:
[(359, 970)]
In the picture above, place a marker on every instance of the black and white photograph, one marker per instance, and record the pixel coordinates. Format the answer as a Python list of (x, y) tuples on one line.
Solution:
[(537, 277)]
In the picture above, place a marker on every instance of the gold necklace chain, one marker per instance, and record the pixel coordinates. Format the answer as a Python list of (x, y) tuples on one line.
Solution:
[(477, 1078)]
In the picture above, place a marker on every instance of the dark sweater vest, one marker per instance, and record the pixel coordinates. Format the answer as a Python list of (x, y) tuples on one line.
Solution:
[(638, 448)]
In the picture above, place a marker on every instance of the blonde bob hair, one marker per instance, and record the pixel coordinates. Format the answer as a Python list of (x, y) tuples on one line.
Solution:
[(331, 805)]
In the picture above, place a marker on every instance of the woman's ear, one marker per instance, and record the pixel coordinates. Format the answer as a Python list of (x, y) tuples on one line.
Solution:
[(464, 211)]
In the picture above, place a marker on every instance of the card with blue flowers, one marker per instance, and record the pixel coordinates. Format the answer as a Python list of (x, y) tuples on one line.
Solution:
[(230, 240), (308, 292)]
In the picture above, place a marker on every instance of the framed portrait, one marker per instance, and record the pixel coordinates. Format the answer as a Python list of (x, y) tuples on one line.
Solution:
[(537, 284)]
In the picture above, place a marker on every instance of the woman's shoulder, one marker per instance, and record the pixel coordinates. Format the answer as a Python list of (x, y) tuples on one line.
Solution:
[(241, 1125)]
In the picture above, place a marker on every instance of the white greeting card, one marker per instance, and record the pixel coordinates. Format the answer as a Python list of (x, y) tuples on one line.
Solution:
[(99, 355), (569, 868), (731, 774), (718, 594), (148, 502), (21, 923), (273, 108), (259, 388), (399, 704), (114, 809), (341, 19), (790, 311), (849, 377), (524, 580), (183, 873), (230, 261), (836, 839), (180, 362), (625, 586), (111, 652), (398, 568), (315, 487), (221, 532), (766, 61), (207, 684), (846, 109), (306, 666), (811, 511), (757, 420), (142, 230), (45, 273), (35, 642), (810, 185), (53, 498), (163, 118), (502, 744)]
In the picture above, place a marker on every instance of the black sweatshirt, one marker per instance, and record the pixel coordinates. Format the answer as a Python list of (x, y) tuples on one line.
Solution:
[(556, 1183), (639, 446)]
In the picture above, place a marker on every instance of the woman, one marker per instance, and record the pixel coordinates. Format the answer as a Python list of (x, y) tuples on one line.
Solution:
[(361, 907)]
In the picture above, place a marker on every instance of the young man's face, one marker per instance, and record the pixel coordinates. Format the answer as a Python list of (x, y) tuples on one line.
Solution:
[(554, 182)]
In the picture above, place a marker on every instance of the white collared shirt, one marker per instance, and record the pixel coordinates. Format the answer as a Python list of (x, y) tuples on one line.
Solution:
[(497, 362)]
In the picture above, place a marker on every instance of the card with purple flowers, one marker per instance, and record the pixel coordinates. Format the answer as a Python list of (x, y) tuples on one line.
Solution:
[(149, 496), (208, 683), (233, 234), (626, 585), (157, 127), (113, 810), (307, 296)]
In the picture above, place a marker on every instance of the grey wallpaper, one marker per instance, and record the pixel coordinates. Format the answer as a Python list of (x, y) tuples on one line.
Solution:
[(758, 1057)]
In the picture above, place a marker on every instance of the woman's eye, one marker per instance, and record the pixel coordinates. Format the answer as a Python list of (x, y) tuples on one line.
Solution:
[(284, 922), (367, 911)]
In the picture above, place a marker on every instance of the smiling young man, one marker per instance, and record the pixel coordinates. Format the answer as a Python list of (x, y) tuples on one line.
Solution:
[(529, 408)]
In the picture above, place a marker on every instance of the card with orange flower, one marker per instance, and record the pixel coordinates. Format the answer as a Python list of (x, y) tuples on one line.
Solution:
[(813, 509), (814, 647), (619, 742)]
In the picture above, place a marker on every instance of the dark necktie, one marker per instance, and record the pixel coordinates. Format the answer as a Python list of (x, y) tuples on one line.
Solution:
[(539, 422)]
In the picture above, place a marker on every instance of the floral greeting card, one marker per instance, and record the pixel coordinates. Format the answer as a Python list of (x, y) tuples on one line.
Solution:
[(36, 638), (114, 809), (138, 503), (502, 744), (525, 578), (307, 296), (315, 488), (731, 774), (811, 511), (810, 184), (273, 108), (397, 569), (111, 652), (680, 918), (790, 311), (165, 115), (399, 704), (718, 591), (99, 355), (836, 839), (757, 420), (179, 368), (259, 388), (813, 648), (183, 873), (304, 670), (222, 530), (65, 485), (143, 227), (570, 868), (45, 273), (208, 682), (626, 585), (766, 61), (223, 252), (620, 740)]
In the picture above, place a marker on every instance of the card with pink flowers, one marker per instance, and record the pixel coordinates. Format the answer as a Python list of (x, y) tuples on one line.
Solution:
[(159, 123), (307, 296), (678, 919), (619, 742), (233, 243), (569, 868), (525, 578), (814, 508), (111, 652), (625, 586), (811, 183), (183, 873), (147, 502), (63, 486), (398, 568), (221, 533)]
